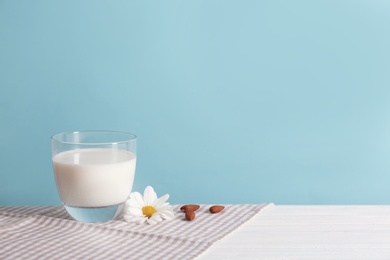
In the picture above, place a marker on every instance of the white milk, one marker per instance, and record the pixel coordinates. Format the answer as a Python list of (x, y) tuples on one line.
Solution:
[(94, 177)]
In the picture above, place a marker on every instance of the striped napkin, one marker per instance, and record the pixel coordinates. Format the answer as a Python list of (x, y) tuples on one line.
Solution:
[(49, 233)]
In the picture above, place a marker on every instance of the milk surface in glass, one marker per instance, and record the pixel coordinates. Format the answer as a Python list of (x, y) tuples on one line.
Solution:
[(97, 177)]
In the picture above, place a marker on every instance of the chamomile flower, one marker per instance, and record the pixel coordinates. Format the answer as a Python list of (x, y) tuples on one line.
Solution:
[(147, 208)]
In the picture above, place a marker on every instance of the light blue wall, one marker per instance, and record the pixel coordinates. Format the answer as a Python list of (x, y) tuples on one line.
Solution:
[(232, 101)]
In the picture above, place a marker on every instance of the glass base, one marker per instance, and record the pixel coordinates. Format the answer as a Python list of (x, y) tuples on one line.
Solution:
[(99, 214)]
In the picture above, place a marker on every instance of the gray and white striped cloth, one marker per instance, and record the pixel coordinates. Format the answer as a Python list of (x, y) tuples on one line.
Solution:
[(48, 233)]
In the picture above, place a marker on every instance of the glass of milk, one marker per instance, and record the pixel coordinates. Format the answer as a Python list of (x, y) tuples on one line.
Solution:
[(94, 172)]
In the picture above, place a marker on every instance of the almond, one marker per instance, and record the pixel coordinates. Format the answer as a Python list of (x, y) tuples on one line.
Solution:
[(190, 215), (189, 207), (216, 209)]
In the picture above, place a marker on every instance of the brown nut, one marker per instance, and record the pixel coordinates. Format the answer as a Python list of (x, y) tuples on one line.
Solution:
[(189, 207), (216, 209), (190, 215)]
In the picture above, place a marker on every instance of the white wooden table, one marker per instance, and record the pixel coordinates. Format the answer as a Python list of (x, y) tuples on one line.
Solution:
[(309, 232)]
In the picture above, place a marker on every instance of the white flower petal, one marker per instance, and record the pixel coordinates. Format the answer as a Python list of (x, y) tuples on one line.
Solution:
[(167, 215), (154, 219), (133, 203), (128, 218), (131, 218), (149, 196), (151, 221), (141, 220), (156, 216), (158, 203), (165, 206), (133, 194), (135, 211), (137, 197), (126, 211)]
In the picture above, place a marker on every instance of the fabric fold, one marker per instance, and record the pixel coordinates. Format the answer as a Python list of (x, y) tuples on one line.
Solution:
[(47, 232)]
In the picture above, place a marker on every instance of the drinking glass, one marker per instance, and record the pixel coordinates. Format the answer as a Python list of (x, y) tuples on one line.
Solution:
[(94, 172)]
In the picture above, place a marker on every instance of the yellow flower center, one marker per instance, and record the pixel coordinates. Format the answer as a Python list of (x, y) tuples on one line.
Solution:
[(148, 211)]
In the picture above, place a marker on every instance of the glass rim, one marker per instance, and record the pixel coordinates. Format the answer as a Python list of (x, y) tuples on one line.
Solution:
[(130, 137)]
